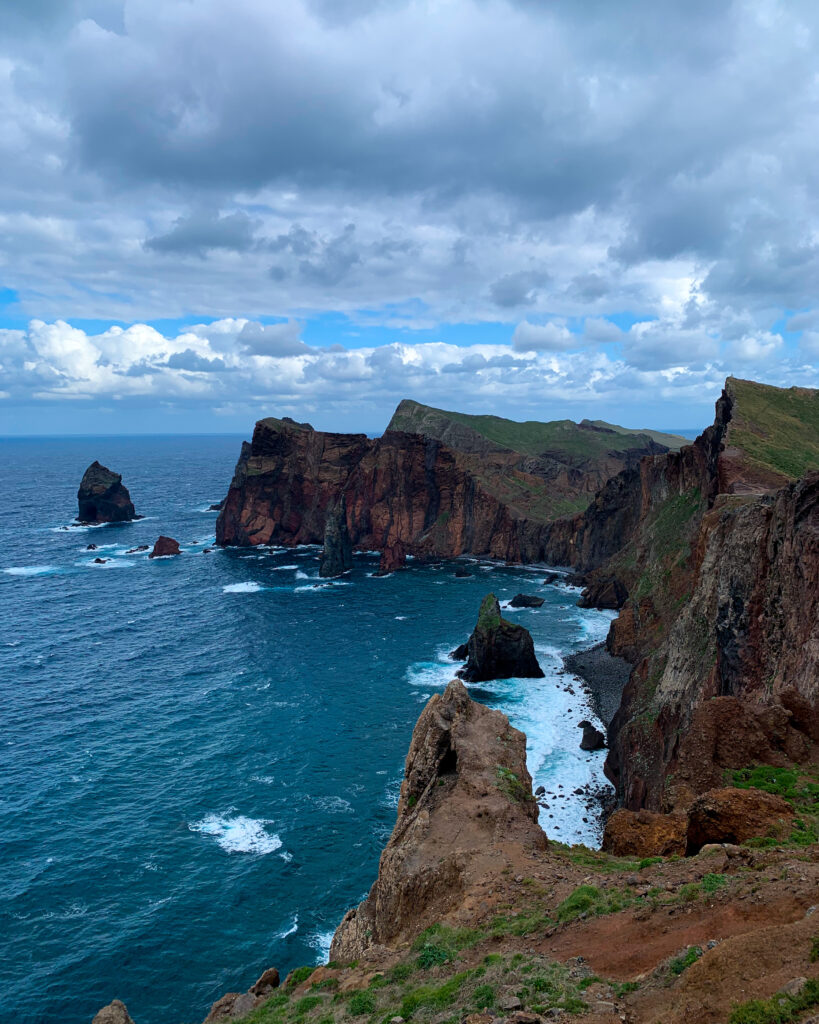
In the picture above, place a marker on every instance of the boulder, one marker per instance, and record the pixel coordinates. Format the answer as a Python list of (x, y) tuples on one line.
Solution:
[(114, 1013), (164, 547), (498, 649), (102, 498), (592, 739), (337, 553), (608, 592), (266, 983), (732, 815), (525, 601), (645, 834)]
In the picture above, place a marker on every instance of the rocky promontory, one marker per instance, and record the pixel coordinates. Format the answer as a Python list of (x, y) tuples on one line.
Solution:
[(498, 649), (465, 815), (103, 498)]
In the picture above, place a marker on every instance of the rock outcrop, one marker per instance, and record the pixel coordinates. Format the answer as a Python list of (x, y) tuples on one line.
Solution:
[(337, 552), (735, 815), (114, 1013), (498, 649), (164, 547), (102, 497), (717, 549), (435, 484), (645, 834), (465, 813), (526, 601), (592, 738)]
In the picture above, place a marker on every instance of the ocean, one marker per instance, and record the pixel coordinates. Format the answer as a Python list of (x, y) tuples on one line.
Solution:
[(201, 755)]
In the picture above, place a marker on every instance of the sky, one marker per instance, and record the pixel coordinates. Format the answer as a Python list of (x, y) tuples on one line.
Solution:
[(213, 211)]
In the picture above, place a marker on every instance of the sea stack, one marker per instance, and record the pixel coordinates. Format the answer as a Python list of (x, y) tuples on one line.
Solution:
[(498, 649), (337, 555), (102, 498)]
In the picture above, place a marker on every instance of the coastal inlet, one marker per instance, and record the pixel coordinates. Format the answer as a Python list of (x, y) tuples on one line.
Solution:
[(210, 746)]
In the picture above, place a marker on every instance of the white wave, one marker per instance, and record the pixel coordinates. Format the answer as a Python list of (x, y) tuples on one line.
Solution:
[(291, 929), (282, 568), (286, 856), (119, 563), (334, 804), (251, 587), (321, 942), (267, 780), (238, 834), (400, 618), (302, 575), (31, 570)]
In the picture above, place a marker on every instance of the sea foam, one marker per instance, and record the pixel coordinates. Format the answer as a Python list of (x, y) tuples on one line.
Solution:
[(238, 834), (251, 587)]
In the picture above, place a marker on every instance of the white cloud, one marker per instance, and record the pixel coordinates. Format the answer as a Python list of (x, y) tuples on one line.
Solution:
[(549, 337)]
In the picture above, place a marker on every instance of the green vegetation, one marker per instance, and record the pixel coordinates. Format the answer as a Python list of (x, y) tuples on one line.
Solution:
[(681, 963), (361, 1003), (489, 616), (298, 975), (671, 441), (484, 996), (797, 787), (530, 437), (711, 883), (510, 784), (778, 428), (779, 1009), (814, 949), (588, 899)]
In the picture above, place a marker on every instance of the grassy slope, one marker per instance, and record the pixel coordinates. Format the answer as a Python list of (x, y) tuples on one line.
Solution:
[(672, 441), (777, 428), (529, 438)]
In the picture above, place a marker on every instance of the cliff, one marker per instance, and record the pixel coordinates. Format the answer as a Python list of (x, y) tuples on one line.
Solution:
[(436, 483), (717, 547)]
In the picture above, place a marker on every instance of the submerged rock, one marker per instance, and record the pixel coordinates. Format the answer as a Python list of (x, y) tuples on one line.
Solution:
[(592, 739), (138, 548), (465, 809), (102, 498), (164, 547), (498, 649), (337, 554), (525, 601)]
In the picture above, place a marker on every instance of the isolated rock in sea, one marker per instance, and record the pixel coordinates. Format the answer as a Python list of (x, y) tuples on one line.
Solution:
[(645, 834), (114, 1013), (393, 556), (91, 547), (102, 498), (499, 649), (462, 574), (525, 601), (137, 549), (592, 739), (337, 553), (465, 812), (165, 546), (732, 815)]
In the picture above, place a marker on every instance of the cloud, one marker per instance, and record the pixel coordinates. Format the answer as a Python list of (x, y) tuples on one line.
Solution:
[(519, 289), (543, 338), (190, 360), (203, 231), (277, 340), (600, 329)]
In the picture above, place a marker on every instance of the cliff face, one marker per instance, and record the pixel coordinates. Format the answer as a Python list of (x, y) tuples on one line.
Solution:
[(720, 559), (466, 815), (440, 488)]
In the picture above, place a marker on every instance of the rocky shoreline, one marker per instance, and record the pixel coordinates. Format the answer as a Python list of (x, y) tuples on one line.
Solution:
[(604, 677)]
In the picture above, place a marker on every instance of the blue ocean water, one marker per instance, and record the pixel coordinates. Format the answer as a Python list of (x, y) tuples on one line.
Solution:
[(201, 756)]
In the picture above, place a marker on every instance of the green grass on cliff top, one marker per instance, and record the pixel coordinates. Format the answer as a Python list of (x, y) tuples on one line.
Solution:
[(778, 428), (530, 437)]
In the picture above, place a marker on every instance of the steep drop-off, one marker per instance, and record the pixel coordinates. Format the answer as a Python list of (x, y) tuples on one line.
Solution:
[(717, 548), (436, 484)]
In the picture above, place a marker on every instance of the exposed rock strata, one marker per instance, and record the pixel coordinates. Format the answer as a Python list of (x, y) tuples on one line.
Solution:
[(102, 497), (498, 649), (719, 553), (465, 810), (442, 489)]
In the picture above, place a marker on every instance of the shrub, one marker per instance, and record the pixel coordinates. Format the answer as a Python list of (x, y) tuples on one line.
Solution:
[(361, 1003), (583, 899), (484, 996), (298, 975), (432, 956), (710, 883), (681, 963)]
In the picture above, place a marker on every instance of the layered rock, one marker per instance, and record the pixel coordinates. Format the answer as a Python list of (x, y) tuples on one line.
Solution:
[(337, 552), (465, 813), (498, 649), (435, 484), (102, 497), (719, 555)]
